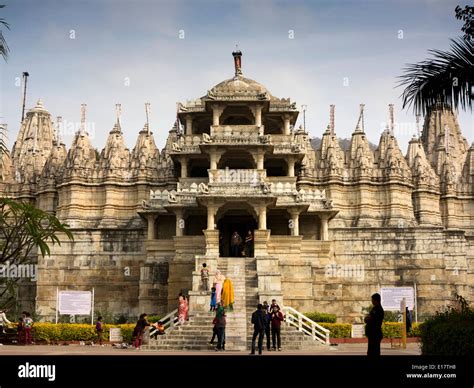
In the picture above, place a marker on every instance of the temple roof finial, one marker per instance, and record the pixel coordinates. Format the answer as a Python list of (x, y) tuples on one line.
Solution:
[(237, 54)]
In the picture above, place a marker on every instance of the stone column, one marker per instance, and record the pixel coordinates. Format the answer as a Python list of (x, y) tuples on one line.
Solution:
[(291, 167), (260, 160), (216, 114), (262, 218), (295, 220), (258, 115), (189, 125), (213, 156), (210, 217), (286, 124), (324, 227), (179, 222), (151, 218), (184, 167)]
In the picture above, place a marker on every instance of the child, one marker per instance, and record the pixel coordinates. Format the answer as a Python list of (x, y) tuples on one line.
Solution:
[(28, 325), (99, 328), (160, 327), (205, 277), (213, 299)]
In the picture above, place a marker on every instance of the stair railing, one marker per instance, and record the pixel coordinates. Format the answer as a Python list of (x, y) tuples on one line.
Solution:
[(169, 321), (306, 325)]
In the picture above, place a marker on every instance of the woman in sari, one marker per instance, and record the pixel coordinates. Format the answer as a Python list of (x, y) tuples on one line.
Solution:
[(228, 294), (182, 308), (218, 281)]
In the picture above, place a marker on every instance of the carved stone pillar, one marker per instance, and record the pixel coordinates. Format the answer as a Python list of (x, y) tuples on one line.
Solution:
[(260, 159), (211, 211), (216, 113), (324, 227), (189, 125), (212, 243), (295, 222), (257, 112), (286, 124), (184, 167), (151, 218), (179, 222), (262, 218), (291, 167)]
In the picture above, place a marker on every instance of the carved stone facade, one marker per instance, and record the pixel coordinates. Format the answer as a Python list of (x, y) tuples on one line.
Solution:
[(144, 220)]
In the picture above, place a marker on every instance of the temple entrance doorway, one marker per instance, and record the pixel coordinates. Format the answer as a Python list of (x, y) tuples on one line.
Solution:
[(232, 220)]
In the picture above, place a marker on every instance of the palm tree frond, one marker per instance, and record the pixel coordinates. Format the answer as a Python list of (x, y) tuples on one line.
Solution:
[(447, 77)]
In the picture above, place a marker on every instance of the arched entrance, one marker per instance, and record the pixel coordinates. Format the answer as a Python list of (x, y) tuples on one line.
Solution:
[(234, 217)]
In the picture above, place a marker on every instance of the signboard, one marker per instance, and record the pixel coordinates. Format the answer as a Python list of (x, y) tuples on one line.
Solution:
[(75, 302), (392, 297), (115, 334)]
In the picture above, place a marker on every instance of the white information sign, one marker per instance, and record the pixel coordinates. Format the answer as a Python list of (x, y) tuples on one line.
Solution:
[(115, 334), (75, 302), (393, 296)]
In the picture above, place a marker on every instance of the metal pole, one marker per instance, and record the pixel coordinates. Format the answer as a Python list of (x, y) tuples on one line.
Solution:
[(57, 304), (25, 79), (416, 304), (404, 327), (93, 300)]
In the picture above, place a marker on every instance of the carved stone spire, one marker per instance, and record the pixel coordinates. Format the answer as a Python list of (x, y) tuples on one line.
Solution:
[(33, 144), (441, 136)]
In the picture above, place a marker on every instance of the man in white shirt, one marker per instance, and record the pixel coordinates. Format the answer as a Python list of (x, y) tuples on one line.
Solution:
[(3, 321)]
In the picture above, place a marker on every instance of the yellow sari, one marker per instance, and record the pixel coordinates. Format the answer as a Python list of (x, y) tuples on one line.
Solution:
[(227, 298)]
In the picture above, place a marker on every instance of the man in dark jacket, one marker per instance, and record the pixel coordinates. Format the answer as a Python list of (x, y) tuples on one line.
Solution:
[(276, 320), (373, 327), (258, 321), (266, 308)]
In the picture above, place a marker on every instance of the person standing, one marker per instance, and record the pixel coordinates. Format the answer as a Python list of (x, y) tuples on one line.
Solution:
[(27, 327), (266, 308), (227, 298), (182, 308), (276, 320), (235, 242), (3, 322), (205, 277), (373, 327), (249, 244), (220, 327), (99, 329), (218, 282), (258, 321), (213, 299), (139, 330)]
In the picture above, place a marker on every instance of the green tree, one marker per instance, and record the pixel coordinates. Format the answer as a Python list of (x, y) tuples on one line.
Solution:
[(447, 77), (4, 50), (23, 227)]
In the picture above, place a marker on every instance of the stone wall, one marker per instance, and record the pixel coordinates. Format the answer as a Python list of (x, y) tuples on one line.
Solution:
[(107, 260)]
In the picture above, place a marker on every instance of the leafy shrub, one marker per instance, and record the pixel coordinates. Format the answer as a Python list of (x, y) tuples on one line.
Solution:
[(450, 333), (51, 332), (153, 318), (337, 330), (321, 317)]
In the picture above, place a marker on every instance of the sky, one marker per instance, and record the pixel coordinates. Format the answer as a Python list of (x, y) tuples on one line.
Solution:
[(318, 53)]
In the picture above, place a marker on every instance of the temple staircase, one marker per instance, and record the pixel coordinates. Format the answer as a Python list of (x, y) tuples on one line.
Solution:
[(297, 333)]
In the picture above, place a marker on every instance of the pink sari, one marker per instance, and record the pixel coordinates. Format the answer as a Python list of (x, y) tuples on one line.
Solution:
[(218, 281), (182, 310)]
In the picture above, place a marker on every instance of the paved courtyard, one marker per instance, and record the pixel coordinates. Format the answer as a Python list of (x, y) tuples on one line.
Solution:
[(55, 350)]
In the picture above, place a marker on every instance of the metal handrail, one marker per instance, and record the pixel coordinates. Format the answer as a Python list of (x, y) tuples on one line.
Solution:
[(306, 325), (169, 321)]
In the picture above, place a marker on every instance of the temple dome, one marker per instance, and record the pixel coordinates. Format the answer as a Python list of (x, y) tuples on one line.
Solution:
[(240, 85)]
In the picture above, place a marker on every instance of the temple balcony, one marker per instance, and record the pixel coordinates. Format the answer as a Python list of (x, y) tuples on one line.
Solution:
[(187, 144)]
